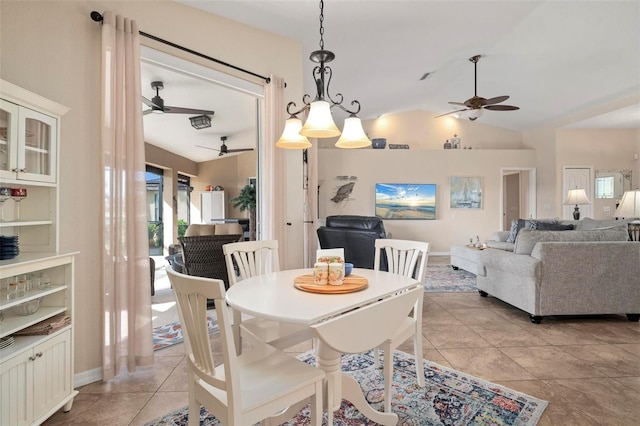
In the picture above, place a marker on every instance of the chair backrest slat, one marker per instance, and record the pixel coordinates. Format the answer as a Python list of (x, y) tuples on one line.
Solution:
[(403, 256), (251, 258), (191, 294)]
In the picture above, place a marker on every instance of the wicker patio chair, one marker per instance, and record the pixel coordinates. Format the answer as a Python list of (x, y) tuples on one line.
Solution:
[(203, 256)]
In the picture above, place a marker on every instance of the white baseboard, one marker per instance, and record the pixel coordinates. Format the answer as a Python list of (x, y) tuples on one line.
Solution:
[(87, 377), (439, 253)]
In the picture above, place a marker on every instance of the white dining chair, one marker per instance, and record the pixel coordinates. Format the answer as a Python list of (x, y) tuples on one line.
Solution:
[(253, 258), (243, 389), (408, 258)]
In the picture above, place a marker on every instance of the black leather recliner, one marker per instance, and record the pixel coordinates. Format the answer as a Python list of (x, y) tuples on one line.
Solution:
[(356, 234)]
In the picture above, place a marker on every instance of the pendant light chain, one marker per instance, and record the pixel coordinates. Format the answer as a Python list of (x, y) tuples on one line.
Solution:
[(321, 25)]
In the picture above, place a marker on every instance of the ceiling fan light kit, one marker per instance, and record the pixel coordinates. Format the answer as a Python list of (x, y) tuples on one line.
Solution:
[(477, 104), (200, 122), (319, 123)]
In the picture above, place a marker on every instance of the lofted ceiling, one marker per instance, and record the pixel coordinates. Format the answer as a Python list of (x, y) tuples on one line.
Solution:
[(554, 59)]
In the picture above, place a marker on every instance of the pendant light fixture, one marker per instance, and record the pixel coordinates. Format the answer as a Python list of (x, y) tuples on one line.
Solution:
[(320, 122)]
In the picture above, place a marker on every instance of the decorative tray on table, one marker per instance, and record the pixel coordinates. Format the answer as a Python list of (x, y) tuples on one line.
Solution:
[(351, 284)]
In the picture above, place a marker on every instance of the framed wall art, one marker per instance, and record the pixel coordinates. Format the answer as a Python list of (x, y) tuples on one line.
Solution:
[(414, 201), (466, 192)]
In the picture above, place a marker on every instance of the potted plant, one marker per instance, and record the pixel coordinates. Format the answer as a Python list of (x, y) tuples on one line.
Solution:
[(247, 201)]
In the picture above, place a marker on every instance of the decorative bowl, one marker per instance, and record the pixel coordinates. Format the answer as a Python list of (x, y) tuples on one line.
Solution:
[(379, 143), (27, 308), (347, 269)]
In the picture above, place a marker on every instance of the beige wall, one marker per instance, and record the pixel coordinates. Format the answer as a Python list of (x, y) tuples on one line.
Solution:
[(601, 149), (547, 149), (53, 48), (452, 226)]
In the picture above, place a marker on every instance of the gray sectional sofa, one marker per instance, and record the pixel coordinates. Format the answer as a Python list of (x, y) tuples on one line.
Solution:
[(592, 269)]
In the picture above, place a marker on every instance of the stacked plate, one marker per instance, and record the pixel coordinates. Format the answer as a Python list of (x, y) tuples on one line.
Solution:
[(9, 246), (5, 343)]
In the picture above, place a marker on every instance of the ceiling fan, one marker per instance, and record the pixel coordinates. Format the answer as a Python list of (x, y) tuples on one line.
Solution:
[(156, 104), (477, 103), (224, 149)]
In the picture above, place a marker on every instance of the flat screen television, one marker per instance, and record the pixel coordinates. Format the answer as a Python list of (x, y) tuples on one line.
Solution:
[(414, 201)]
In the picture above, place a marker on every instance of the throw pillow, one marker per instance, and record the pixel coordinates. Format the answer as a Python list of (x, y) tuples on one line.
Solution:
[(513, 233), (548, 226), (519, 224)]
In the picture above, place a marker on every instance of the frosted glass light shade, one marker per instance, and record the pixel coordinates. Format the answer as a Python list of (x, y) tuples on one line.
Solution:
[(475, 113), (629, 205), (291, 137), (576, 196), (320, 123), (353, 135)]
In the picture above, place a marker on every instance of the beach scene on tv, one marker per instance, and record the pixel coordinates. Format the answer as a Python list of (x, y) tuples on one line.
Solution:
[(406, 201)]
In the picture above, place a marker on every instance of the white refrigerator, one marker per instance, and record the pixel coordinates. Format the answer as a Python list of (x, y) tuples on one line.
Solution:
[(213, 205)]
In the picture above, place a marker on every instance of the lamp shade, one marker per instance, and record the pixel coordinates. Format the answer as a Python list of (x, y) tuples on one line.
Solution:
[(629, 205), (320, 123), (353, 135), (576, 196), (291, 137)]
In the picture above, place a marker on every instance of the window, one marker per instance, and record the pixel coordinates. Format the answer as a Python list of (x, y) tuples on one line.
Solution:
[(605, 187), (184, 203)]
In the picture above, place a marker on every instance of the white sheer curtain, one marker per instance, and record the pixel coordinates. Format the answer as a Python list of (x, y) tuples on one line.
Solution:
[(126, 287), (272, 178)]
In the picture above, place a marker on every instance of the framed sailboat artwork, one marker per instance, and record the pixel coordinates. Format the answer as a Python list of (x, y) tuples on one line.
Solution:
[(466, 192)]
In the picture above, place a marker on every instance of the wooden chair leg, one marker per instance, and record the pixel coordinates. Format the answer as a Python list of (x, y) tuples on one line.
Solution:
[(387, 371)]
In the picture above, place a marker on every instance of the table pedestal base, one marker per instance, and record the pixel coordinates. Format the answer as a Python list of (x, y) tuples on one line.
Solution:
[(339, 386)]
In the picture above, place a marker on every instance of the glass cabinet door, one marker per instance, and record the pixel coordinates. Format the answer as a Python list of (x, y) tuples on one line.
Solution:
[(8, 139), (37, 141)]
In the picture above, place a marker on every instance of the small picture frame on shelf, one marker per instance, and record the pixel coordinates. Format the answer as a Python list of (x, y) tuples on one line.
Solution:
[(398, 146), (455, 142)]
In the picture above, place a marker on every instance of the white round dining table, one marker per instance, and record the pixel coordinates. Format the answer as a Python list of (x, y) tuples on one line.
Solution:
[(273, 296)]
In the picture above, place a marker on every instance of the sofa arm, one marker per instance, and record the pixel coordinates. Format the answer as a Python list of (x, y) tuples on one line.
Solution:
[(605, 275), (506, 261)]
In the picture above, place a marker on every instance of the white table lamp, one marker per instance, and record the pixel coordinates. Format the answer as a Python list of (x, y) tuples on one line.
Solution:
[(577, 196), (630, 208)]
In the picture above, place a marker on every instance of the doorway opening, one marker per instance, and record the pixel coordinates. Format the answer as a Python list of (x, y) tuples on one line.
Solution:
[(518, 195)]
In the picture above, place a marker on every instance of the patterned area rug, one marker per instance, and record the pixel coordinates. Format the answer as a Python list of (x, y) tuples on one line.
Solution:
[(171, 334), (449, 398), (442, 278)]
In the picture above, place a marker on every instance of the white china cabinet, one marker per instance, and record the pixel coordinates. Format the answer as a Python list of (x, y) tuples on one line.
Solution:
[(36, 370)]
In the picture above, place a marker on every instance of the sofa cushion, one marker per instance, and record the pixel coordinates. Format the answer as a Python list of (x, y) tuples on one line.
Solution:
[(528, 238), (500, 245), (589, 224)]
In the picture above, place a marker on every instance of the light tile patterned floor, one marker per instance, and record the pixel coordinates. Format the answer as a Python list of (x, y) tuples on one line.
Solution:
[(587, 368)]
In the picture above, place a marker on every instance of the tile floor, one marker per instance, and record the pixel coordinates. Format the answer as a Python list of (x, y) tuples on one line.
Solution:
[(587, 368)]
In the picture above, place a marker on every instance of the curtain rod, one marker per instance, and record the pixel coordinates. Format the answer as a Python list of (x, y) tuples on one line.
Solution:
[(97, 16)]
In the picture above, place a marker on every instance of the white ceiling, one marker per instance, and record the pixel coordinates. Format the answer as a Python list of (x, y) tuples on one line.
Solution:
[(555, 59), (189, 85)]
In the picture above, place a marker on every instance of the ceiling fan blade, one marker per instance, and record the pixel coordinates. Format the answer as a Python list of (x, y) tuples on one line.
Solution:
[(239, 149), (501, 107), (147, 112), (452, 112), (147, 102), (496, 100), (457, 103), (179, 110), (208, 147)]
